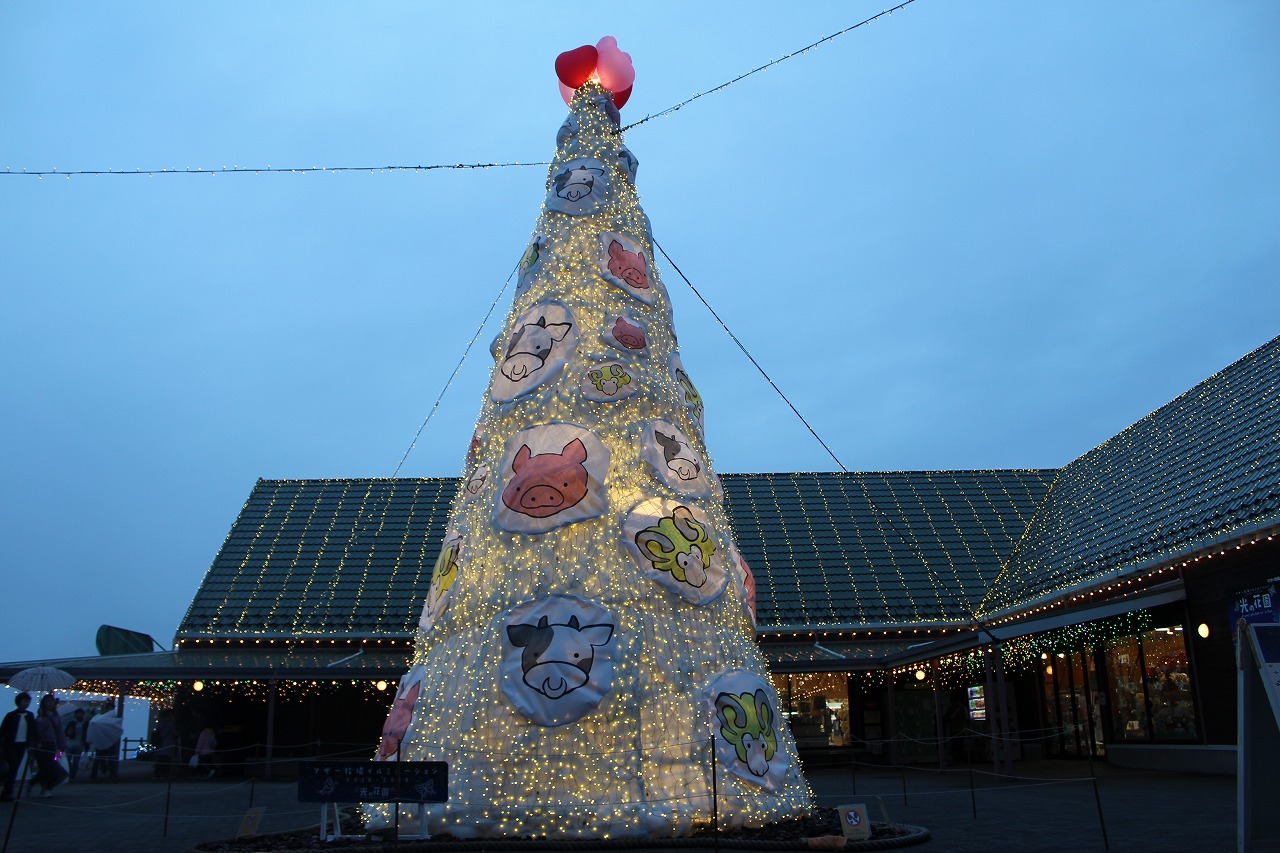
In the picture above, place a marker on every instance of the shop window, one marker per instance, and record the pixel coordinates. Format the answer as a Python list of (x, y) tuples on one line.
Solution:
[(1128, 693), (1173, 715), (816, 705)]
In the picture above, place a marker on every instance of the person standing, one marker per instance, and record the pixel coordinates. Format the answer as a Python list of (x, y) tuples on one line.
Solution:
[(105, 731), (77, 733), (206, 747), (50, 743), (17, 732)]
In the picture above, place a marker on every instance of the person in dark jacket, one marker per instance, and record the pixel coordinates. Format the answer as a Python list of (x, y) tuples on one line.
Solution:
[(50, 743), (77, 733), (17, 732)]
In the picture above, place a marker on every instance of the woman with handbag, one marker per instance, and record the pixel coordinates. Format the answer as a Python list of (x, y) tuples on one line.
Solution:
[(51, 743)]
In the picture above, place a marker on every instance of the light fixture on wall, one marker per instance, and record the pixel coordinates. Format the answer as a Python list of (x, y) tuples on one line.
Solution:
[(1203, 630), (381, 685), (198, 686), (919, 675)]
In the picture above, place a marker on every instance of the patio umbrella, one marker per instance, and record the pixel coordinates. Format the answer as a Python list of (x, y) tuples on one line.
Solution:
[(41, 679)]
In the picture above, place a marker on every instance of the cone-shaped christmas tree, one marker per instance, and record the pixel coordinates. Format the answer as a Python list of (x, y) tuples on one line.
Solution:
[(588, 633)]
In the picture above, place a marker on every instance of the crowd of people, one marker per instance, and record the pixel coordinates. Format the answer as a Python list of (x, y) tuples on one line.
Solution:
[(57, 746)]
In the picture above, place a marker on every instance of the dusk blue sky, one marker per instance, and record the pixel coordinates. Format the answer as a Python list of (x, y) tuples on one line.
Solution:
[(970, 235)]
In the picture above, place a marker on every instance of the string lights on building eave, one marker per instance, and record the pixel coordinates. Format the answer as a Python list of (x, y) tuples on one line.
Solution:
[(1127, 584)]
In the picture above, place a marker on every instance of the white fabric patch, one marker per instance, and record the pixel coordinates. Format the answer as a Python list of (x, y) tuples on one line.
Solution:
[(448, 567), (475, 483), (535, 350), (401, 715), (673, 545), (626, 333), (624, 263), (558, 658), (553, 475), (674, 461), (579, 187), (689, 395), (745, 721), (746, 580), (531, 263), (607, 381), (628, 163)]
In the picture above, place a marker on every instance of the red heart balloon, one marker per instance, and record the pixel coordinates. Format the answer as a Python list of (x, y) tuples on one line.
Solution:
[(575, 67), (620, 98)]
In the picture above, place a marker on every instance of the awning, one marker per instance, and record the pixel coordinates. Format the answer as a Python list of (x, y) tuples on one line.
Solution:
[(187, 664), (981, 635)]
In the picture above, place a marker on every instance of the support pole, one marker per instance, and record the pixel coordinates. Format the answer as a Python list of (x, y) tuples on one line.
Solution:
[(271, 726), (973, 796), (168, 795), (853, 766), (937, 716), (13, 813), (1097, 799)]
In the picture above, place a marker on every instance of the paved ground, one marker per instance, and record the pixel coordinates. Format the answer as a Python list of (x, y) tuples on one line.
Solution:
[(1051, 808)]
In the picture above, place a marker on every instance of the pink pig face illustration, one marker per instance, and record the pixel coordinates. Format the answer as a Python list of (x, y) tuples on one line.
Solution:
[(398, 722), (628, 334), (548, 483), (628, 266)]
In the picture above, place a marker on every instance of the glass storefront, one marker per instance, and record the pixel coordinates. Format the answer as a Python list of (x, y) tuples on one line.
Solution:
[(816, 705), (1149, 686)]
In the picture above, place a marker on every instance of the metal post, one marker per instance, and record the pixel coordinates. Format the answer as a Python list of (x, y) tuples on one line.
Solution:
[(853, 766), (252, 782), (937, 716), (973, 797), (715, 793), (271, 725), (1097, 799), (904, 786), (13, 813), (168, 794)]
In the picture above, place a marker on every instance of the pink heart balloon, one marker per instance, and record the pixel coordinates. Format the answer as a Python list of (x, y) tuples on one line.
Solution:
[(614, 67)]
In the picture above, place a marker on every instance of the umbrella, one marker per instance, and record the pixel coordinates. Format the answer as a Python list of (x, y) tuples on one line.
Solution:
[(41, 679)]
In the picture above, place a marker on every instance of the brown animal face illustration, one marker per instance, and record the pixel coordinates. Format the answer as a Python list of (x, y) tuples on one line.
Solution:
[(628, 266), (548, 483)]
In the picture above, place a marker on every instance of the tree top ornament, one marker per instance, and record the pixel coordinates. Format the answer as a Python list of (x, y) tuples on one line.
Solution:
[(605, 63)]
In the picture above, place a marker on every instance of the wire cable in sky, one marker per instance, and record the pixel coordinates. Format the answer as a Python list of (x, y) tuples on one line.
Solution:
[(769, 64), (750, 357), (250, 170), (466, 352), (232, 170)]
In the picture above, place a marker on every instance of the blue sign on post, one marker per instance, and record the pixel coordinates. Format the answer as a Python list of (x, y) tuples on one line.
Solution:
[(368, 781)]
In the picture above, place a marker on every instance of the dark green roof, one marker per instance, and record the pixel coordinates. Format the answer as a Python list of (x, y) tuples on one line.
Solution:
[(863, 550), (1201, 471), (353, 558)]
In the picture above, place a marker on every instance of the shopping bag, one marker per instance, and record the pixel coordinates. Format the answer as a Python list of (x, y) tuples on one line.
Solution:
[(194, 762)]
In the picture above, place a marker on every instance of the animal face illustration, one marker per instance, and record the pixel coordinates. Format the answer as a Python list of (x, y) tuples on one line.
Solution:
[(477, 480), (545, 484), (628, 334), (576, 184), (692, 398), (398, 721), (530, 346), (746, 721), (679, 545), (557, 658), (609, 379), (628, 266), (678, 455), (445, 571), (531, 257)]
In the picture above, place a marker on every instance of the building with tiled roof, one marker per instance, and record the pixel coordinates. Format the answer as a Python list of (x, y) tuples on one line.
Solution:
[(1103, 593)]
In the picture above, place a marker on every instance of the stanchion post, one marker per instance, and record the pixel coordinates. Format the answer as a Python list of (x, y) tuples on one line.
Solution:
[(715, 793), (1097, 799), (853, 765), (973, 797), (13, 813), (252, 782), (904, 786), (168, 795)]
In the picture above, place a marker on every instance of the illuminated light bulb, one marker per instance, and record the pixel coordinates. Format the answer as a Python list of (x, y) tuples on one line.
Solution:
[(1203, 630), (198, 686)]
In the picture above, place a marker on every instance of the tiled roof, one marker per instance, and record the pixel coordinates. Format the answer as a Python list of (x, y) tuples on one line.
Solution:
[(1202, 470), (877, 549), (353, 558), (333, 558)]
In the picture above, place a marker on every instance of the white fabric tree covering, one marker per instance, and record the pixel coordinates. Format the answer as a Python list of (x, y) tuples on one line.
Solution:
[(589, 627)]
